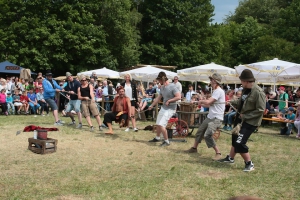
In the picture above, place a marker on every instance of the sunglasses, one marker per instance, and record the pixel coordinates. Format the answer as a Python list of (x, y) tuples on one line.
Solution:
[(83, 80)]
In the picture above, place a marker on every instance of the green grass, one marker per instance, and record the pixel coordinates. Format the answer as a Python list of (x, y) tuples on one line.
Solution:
[(125, 166)]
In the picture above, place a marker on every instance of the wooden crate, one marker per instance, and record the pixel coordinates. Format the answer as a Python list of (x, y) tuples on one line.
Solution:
[(42, 146)]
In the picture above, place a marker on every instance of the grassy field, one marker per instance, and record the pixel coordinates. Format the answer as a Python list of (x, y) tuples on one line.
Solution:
[(125, 166)]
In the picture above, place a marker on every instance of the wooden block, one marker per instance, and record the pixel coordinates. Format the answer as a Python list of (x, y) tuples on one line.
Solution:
[(42, 146)]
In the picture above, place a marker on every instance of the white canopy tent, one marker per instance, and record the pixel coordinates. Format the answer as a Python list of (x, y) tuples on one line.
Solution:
[(102, 73), (202, 73), (272, 70), (147, 73)]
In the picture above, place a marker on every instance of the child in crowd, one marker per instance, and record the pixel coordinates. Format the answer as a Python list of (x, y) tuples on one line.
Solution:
[(42, 102), (3, 102), (229, 117), (17, 101), (297, 120), (24, 100), (10, 104), (290, 117), (33, 102)]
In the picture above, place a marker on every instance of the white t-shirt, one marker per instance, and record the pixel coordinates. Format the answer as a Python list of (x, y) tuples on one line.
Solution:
[(217, 109), (128, 91)]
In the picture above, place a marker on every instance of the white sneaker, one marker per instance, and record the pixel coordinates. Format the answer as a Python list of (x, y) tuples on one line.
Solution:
[(100, 128), (92, 129), (136, 130), (127, 129), (79, 126), (58, 124), (72, 123)]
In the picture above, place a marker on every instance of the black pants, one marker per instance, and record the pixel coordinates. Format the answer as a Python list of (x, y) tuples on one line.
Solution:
[(3, 107), (110, 117), (44, 106), (239, 141)]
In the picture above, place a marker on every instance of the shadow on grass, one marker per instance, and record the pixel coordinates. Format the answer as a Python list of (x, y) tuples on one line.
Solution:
[(103, 135), (146, 142), (208, 161)]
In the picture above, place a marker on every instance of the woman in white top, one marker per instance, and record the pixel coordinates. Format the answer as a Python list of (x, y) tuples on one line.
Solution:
[(131, 92)]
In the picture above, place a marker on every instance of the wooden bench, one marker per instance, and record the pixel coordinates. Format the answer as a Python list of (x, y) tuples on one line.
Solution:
[(276, 120)]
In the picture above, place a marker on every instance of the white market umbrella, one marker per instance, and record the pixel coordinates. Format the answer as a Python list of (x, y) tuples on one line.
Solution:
[(102, 73), (147, 73), (202, 72), (265, 70), (291, 74)]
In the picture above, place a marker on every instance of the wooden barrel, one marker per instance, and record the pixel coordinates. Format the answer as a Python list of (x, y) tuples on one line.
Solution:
[(188, 107)]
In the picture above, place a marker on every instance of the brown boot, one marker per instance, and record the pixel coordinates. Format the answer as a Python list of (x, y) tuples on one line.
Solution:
[(192, 150)]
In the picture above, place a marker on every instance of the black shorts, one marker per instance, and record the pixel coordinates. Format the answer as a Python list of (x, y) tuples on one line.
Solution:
[(239, 141), (133, 103), (111, 116)]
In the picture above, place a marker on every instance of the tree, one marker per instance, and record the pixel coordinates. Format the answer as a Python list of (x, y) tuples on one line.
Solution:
[(264, 11), (287, 26), (243, 37), (176, 32), (69, 35)]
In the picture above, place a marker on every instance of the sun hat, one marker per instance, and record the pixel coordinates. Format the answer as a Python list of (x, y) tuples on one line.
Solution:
[(217, 77), (272, 94), (68, 74)]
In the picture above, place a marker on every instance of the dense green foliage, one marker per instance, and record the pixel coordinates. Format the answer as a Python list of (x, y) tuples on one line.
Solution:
[(83, 35)]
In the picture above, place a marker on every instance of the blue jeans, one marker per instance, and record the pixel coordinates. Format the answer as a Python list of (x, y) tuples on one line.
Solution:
[(107, 104), (10, 106), (34, 107), (228, 117)]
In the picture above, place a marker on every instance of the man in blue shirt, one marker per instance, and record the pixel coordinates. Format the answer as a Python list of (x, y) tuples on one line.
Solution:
[(50, 88)]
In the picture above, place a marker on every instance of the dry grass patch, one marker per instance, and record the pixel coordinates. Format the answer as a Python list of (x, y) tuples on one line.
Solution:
[(125, 166)]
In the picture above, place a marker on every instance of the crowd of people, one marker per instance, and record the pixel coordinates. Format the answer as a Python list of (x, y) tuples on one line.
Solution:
[(241, 107)]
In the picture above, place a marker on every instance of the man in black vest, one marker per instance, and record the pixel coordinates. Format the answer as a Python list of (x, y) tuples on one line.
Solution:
[(74, 103)]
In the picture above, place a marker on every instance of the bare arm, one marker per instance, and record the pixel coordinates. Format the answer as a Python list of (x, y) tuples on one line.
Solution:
[(206, 103), (92, 92), (156, 100), (79, 94), (174, 99)]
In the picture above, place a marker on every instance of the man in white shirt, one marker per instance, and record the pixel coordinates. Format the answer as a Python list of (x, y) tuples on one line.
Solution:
[(177, 83), (179, 87), (216, 104), (189, 94)]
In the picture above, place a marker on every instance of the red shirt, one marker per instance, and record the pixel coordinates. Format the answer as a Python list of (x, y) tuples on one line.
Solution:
[(37, 86), (24, 98)]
